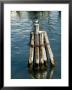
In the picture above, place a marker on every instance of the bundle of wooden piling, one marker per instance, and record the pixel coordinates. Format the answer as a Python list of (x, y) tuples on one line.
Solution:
[(40, 47)]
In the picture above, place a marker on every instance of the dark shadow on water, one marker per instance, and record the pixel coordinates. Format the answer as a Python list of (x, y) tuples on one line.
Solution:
[(42, 73), (33, 15), (18, 13), (37, 15)]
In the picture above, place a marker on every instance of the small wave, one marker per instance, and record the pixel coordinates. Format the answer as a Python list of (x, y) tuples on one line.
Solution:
[(52, 39)]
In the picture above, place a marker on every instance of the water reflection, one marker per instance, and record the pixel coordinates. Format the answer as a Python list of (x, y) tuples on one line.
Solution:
[(41, 74)]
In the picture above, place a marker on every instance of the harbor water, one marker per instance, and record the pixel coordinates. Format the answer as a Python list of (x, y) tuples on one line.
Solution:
[(21, 26)]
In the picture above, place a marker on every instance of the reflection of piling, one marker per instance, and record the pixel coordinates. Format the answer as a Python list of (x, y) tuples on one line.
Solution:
[(40, 47), (51, 72), (42, 74)]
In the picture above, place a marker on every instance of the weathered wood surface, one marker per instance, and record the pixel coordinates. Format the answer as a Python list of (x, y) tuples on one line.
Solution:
[(36, 26), (40, 48), (44, 54), (43, 57), (31, 55), (49, 48), (37, 48)]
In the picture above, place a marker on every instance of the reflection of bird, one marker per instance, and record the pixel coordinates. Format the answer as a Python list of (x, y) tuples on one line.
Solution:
[(41, 74)]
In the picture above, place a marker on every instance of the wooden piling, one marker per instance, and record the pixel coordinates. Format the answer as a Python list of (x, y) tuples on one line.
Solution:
[(45, 56), (41, 48), (36, 27), (49, 48), (37, 49), (31, 55)]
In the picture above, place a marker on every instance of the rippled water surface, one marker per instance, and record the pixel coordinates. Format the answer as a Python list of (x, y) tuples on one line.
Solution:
[(21, 26)]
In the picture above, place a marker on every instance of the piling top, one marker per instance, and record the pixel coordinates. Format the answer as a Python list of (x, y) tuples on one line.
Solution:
[(36, 21), (36, 24)]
